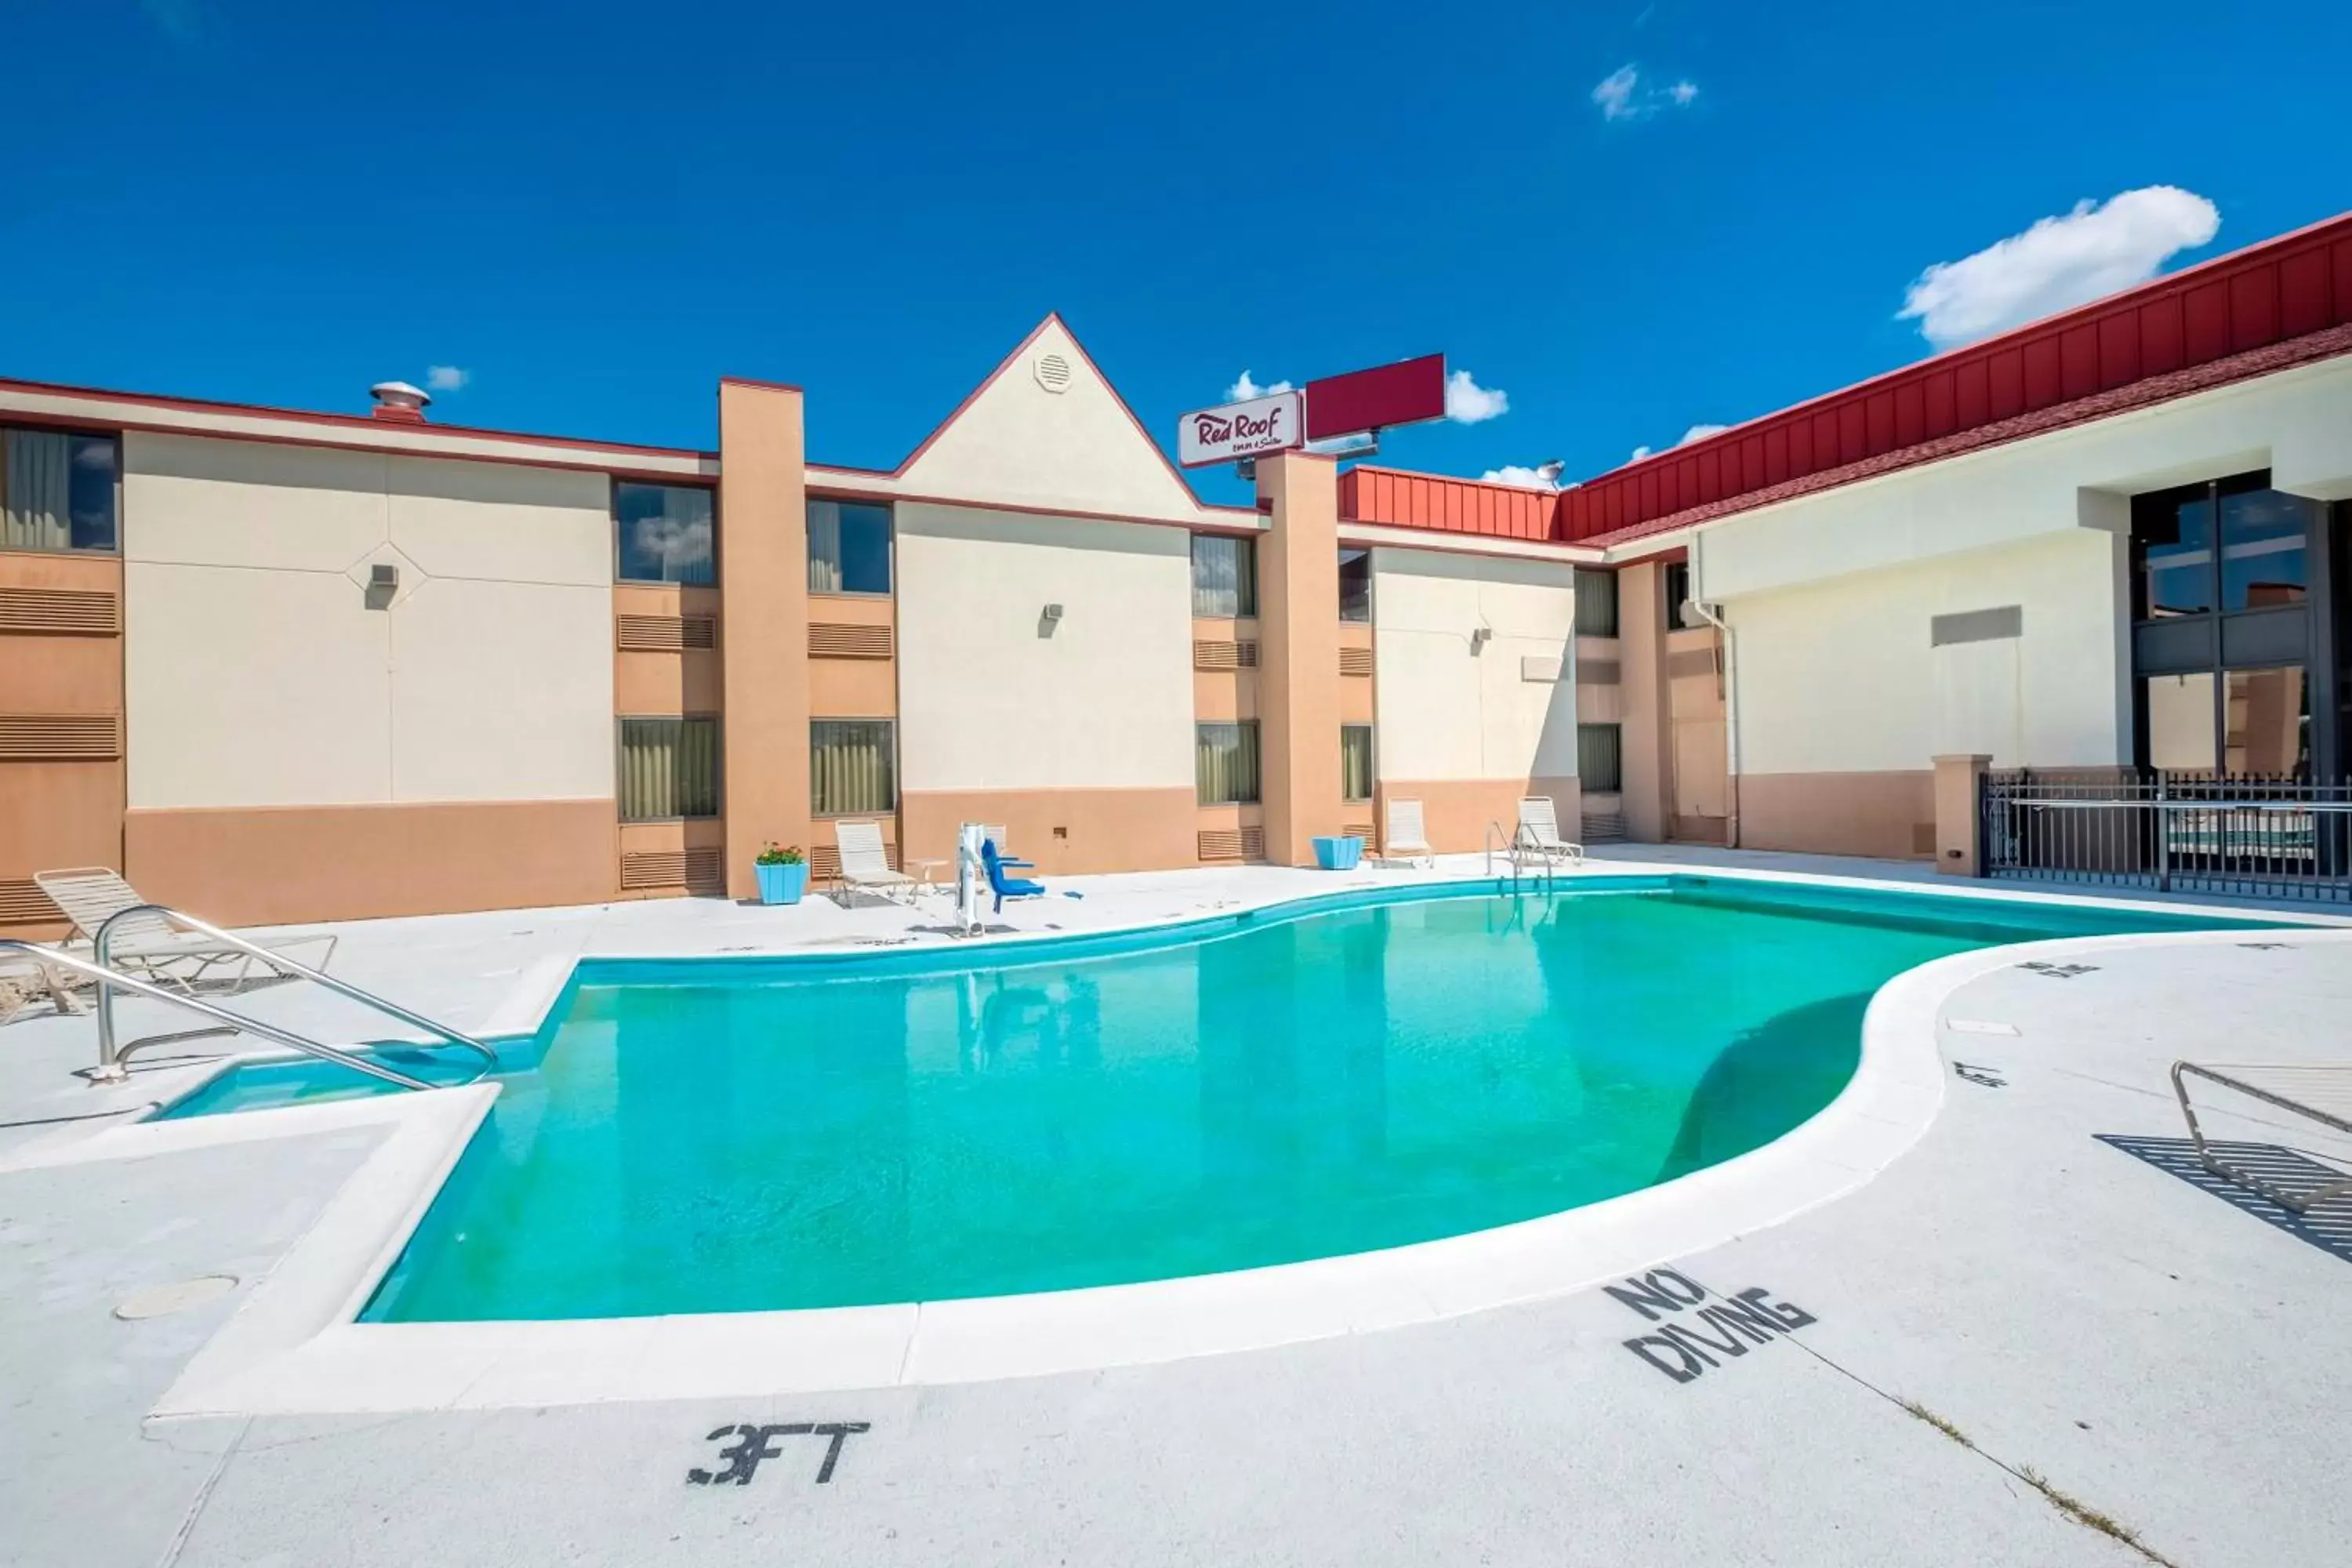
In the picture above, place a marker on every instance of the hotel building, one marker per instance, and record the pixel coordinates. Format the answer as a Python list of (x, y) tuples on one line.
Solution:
[(279, 666)]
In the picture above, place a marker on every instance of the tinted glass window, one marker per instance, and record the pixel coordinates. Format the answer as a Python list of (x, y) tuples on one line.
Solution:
[(1224, 575), (2266, 715), (663, 534), (1596, 604), (848, 547), (852, 766), (1355, 762), (2263, 536), (57, 490), (1355, 584), (1225, 763), (669, 768)]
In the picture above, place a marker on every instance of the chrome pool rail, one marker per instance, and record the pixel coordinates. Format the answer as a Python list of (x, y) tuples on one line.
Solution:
[(112, 1055), (110, 1067)]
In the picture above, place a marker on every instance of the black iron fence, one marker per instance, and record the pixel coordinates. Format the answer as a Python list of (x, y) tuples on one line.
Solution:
[(2245, 836)]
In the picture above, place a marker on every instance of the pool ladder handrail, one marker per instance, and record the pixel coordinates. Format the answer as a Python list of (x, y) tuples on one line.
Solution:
[(1511, 846), (112, 1056), (109, 980)]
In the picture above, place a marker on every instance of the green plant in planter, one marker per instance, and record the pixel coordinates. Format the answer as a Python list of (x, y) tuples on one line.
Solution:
[(774, 854)]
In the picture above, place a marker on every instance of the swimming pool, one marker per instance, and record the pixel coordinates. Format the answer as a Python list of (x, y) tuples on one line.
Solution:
[(730, 1134)]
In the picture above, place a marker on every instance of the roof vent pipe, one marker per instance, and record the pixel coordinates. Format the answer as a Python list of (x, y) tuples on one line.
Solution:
[(399, 400)]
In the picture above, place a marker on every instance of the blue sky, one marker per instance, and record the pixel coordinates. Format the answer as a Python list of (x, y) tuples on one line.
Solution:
[(594, 211)]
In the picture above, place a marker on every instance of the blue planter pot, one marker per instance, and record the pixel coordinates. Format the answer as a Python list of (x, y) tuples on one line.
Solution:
[(1339, 854), (782, 884)]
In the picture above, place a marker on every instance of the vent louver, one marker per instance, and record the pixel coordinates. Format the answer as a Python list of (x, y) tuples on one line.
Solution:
[(835, 640), (60, 737), (665, 634), (60, 611), (695, 870)]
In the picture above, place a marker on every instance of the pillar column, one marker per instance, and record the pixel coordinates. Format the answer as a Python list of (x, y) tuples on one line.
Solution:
[(1646, 729), (762, 622), (1298, 655), (1959, 784)]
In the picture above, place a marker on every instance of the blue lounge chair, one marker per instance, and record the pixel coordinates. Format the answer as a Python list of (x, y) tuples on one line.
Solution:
[(1003, 885)]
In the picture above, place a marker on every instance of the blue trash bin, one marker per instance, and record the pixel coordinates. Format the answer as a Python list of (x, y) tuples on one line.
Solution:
[(1339, 854)]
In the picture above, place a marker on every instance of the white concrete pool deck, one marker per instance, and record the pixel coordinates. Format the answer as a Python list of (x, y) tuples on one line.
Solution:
[(2076, 1309)]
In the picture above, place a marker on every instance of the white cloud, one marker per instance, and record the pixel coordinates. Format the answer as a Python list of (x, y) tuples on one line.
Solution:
[(1544, 477), (2090, 251), (445, 377), (1695, 433), (1243, 389), (1467, 403), (1620, 95), (1615, 94)]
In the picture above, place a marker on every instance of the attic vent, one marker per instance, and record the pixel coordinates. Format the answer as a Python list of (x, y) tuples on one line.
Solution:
[(1053, 373)]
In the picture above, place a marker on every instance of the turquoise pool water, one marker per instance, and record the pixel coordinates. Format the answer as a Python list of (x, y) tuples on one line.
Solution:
[(716, 1135)]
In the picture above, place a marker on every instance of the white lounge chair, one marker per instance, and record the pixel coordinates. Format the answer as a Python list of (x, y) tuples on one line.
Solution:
[(1537, 837), (24, 980), (2318, 1092), (865, 864), (1405, 840), (149, 945)]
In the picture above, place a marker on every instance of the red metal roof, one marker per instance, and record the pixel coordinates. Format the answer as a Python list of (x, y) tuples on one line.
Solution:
[(1452, 506), (2252, 312), (2287, 288)]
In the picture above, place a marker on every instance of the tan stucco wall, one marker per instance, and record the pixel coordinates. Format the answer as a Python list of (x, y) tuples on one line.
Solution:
[(1300, 686), (763, 633), (281, 864), (257, 674), (987, 703)]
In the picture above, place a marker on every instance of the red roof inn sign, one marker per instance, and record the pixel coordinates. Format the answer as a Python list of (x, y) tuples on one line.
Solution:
[(1405, 392), (1239, 431)]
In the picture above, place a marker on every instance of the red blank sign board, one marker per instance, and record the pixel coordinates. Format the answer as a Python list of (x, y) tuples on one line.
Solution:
[(1401, 393)]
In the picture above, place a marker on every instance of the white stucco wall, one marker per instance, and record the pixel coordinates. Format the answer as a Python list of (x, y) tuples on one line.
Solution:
[(1075, 450), (1839, 675), (256, 674), (2296, 423), (985, 702), (1443, 713)]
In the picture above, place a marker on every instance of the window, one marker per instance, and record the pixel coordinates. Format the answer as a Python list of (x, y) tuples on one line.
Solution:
[(848, 547), (2221, 598), (1355, 584), (57, 490), (669, 768), (1677, 592), (1596, 604), (1225, 576), (661, 533), (1355, 762), (1226, 764), (1601, 758), (853, 767), (2264, 539)]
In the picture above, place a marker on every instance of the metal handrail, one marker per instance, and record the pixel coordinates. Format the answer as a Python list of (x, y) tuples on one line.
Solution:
[(111, 1056), (1510, 843), (113, 1071)]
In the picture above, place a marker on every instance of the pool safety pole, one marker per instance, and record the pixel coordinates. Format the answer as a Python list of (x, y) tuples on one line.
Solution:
[(968, 871)]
